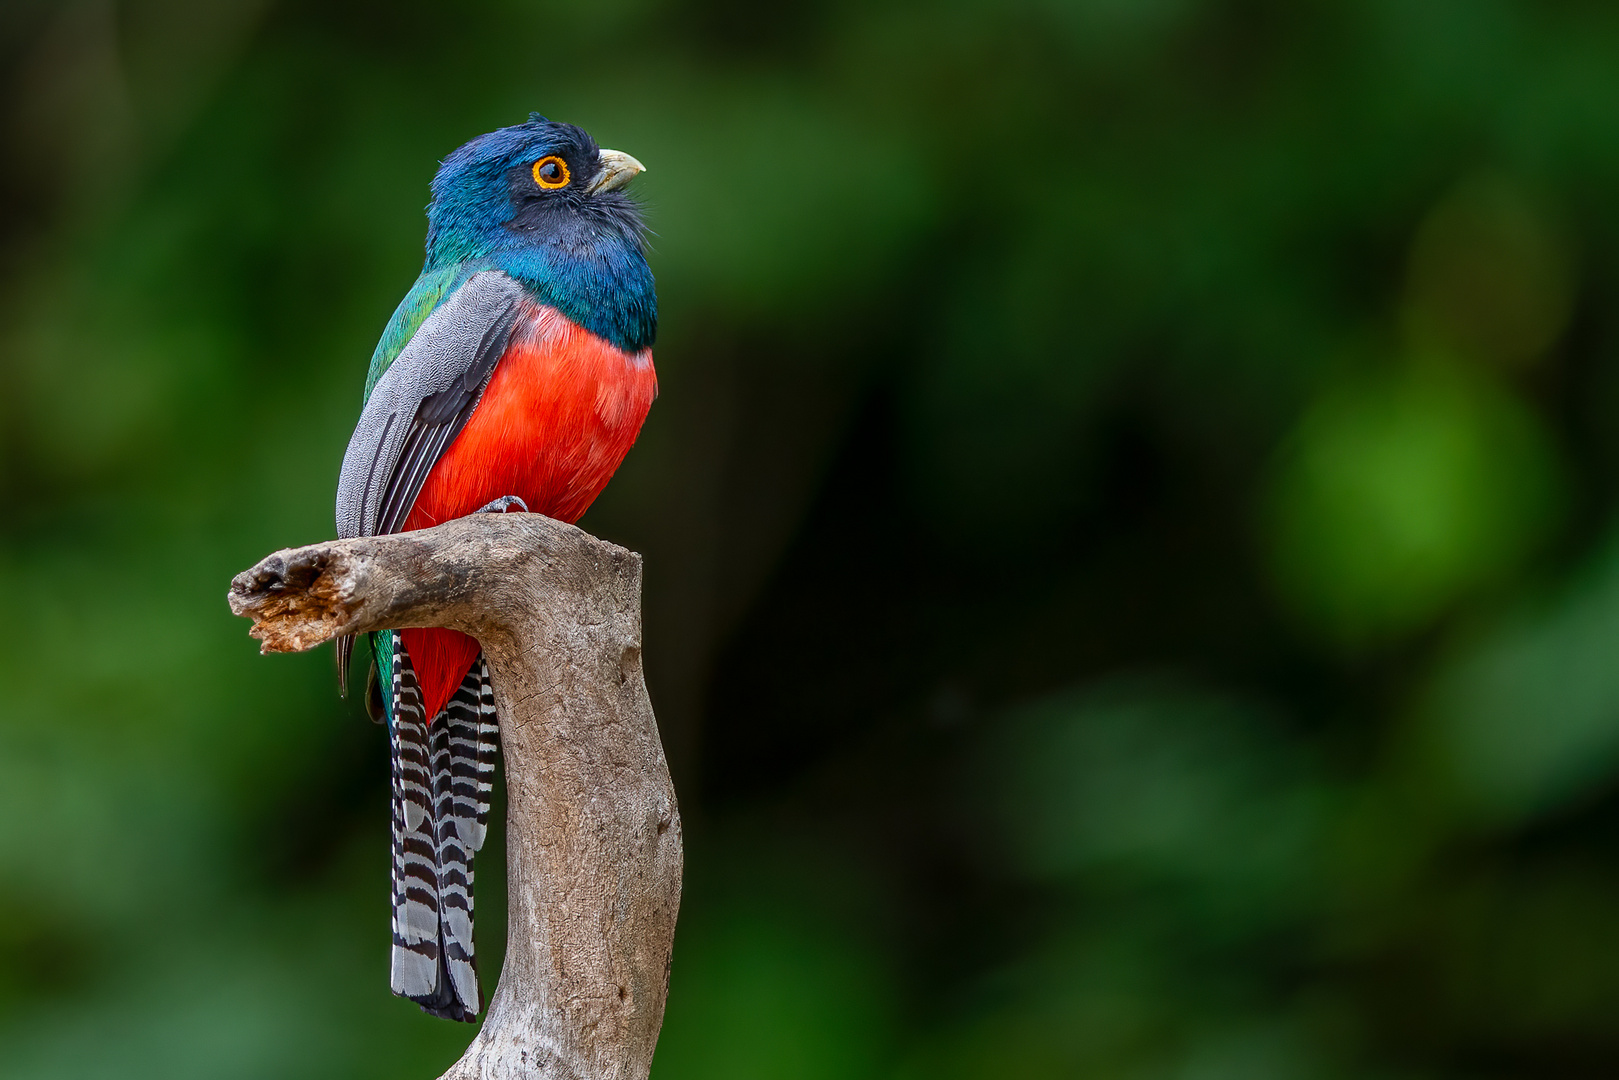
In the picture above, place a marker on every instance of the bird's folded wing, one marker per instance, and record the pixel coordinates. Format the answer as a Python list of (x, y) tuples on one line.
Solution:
[(422, 401), (418, 406)]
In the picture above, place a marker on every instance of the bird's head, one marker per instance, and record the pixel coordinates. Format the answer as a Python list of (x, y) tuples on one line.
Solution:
[(539, 183)]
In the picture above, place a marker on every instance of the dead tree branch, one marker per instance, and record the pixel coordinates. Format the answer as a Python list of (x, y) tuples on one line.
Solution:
[(593, 842)]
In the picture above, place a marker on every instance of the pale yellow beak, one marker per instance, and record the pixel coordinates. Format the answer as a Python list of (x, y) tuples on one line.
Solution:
[(618, 169)]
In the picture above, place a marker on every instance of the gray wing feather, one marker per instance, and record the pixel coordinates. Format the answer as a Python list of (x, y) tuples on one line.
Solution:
[(421, 403), (418, 407)]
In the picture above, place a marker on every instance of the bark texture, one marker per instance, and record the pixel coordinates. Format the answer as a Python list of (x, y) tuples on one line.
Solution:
[(593, 842)]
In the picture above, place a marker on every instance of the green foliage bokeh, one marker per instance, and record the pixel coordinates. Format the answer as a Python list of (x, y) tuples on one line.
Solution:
[(1132, 581)]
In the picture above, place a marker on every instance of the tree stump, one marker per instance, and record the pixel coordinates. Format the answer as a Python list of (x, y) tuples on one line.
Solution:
[(593, 840)]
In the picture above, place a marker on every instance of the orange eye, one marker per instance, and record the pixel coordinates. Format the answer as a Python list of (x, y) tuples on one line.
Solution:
[(551, 173)]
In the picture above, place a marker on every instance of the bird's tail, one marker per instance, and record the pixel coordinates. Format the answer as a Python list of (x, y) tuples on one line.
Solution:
[(443, 774)]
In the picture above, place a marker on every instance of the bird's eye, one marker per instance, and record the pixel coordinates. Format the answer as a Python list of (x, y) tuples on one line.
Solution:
[(551, 173)]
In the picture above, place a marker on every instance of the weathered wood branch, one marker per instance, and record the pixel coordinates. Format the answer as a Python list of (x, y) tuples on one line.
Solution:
[(593, 841)]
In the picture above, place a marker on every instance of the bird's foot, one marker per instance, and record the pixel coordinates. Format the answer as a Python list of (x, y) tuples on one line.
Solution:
[(502, 505)]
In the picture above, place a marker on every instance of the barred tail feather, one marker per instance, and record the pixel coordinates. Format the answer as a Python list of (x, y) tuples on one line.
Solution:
[(457, 752), (488, 747), (454, 748), (415, 958)]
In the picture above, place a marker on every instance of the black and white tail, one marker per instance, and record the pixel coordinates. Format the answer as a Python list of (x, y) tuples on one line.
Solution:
[(443, 774)]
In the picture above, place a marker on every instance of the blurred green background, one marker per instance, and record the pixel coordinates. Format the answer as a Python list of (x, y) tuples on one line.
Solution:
[(1132, 572)]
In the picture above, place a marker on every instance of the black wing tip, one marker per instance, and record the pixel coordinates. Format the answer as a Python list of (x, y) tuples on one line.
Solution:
[(345, 651), (374, 706)]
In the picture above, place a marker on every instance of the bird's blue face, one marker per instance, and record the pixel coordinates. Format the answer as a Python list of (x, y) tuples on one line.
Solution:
[(529, 184), (544, 203)]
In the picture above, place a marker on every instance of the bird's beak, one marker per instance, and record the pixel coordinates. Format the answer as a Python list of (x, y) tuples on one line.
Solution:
[(617, 170)]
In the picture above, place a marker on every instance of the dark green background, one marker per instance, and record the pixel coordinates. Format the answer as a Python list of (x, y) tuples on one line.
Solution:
[(1132, 582)]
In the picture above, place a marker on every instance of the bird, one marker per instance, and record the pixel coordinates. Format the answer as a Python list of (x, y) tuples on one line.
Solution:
[(514, 375)]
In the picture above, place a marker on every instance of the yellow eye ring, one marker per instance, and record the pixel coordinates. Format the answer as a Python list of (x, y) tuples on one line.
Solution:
[(551, 173)]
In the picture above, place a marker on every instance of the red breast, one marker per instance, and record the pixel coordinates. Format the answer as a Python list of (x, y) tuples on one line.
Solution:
[(561, 410)]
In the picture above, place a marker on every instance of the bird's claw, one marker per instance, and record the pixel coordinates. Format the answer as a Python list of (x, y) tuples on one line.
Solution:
[(502, 505)]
